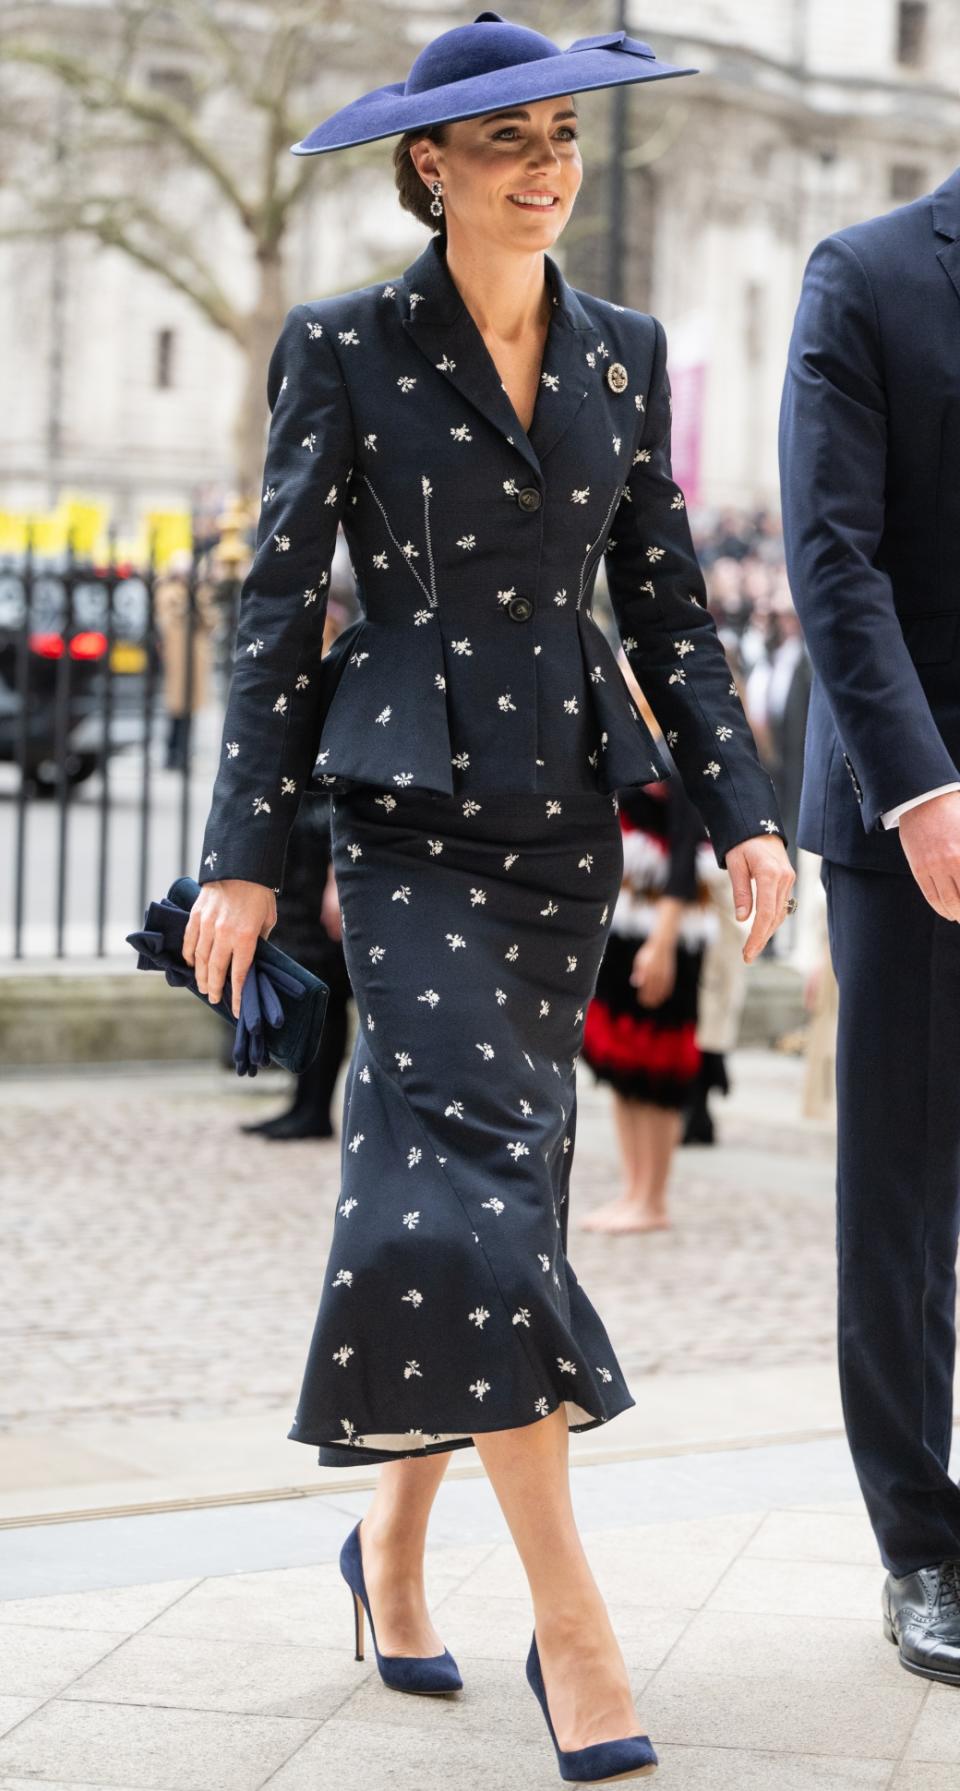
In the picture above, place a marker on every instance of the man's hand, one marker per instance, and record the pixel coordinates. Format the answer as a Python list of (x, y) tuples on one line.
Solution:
[(764, 858), (226, 920), (930, 837)]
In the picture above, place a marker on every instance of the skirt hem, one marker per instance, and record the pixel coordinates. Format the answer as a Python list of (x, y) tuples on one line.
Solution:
[(337, 1455)]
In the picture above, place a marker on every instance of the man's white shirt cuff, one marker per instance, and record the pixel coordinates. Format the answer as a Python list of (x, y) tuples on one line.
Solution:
[(891, 816)]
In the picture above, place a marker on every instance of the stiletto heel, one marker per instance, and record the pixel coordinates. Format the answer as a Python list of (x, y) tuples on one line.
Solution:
[(605, 1761), (428, 1674)]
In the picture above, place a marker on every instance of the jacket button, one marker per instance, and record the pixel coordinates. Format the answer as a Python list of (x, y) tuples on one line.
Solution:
[(520, 609), (529, 498)]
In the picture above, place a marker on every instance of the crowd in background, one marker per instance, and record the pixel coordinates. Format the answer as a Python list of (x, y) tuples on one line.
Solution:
[(749, 597)]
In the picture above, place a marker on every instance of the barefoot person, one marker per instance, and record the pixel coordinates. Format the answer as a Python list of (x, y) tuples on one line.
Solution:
[(640, 1031), (870, 461), (485, 432)]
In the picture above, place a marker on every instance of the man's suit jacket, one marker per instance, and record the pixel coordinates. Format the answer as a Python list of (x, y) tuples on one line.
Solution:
[(477, 664), (870, 475)]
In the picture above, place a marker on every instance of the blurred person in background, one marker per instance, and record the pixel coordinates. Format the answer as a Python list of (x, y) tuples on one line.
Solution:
[(777, 697), (185, 685), (310, 930), (756, 591), (640, 1030), (721, 993)]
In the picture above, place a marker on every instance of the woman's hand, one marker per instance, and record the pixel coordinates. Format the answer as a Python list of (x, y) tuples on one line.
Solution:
[(226, 920), (654, 970), (763, 858)]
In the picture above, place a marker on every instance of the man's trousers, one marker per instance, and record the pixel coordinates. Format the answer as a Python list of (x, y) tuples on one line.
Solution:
[(897, 964)]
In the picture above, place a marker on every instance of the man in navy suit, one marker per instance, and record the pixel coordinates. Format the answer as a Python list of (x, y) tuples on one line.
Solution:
[(870, 471)]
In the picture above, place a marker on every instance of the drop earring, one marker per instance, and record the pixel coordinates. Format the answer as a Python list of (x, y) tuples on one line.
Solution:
[(436, 203)]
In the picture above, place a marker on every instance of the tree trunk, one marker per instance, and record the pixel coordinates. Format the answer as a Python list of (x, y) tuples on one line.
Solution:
[(262, 329)]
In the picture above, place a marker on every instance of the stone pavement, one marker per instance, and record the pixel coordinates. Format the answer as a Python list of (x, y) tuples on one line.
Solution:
[(161, 1273), (157, 1288), (752, 1636)]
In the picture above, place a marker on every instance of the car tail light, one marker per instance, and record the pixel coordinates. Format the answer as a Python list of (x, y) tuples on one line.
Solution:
[(91, 644), (88, 644), (49, 646)]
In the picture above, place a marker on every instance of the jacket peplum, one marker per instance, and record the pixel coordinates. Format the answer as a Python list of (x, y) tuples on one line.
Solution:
[(476, 664)]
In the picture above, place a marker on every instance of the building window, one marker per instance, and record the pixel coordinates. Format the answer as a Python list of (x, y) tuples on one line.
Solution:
[(172, 83), (163, 374), (907, 182), (912, 33)]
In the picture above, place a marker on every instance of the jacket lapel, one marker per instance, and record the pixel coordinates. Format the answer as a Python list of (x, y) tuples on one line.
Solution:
[(946, 223), (437, 320)]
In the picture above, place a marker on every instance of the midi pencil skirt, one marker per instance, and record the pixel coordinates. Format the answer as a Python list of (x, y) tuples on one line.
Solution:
[(473, 930)]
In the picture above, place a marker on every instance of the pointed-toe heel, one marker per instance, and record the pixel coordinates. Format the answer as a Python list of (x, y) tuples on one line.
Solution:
[(430, 1675), (605, 1761)]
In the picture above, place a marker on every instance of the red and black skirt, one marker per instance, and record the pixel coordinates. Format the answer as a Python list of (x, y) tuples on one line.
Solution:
[(646, 1053)]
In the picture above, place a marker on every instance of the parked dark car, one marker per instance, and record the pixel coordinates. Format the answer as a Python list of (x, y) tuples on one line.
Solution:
[(69, 658)]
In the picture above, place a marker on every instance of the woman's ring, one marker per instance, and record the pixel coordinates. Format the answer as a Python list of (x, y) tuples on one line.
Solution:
[(791, 904)]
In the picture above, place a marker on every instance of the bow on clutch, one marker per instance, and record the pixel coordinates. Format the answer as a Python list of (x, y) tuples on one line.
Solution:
[(282, 1004)]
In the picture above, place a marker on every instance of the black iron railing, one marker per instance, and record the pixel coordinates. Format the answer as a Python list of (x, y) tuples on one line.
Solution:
[(81, 662)]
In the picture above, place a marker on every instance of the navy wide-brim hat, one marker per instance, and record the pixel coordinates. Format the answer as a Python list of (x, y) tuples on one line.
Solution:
[(484, 67)]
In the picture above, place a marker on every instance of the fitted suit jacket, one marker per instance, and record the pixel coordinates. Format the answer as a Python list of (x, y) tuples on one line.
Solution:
[(870, 475), (476, 664)]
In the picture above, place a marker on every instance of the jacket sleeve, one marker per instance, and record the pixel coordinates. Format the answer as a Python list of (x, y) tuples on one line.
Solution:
[(272, 722), (833, 443), (684, 838), (671, 640)]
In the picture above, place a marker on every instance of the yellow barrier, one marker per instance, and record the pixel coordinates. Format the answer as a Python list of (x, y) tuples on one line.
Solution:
[(85, 524)]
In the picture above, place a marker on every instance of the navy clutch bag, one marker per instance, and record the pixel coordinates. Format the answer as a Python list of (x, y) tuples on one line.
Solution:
[(282, 1005)]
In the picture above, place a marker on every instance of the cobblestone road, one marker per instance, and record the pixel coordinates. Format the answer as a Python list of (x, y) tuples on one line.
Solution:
[(157, 1262)]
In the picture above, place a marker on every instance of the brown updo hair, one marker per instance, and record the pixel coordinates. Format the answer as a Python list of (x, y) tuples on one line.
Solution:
[(413, 191)]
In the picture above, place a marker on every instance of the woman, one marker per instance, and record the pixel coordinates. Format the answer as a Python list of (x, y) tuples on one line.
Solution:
[(640, 1029), (475, 423)]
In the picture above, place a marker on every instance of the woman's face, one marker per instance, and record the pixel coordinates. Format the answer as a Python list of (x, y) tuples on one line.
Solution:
[(488, 162)]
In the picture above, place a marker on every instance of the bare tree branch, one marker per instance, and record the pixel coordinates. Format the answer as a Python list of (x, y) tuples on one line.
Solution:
[(114, 223), (238, 67), (102, 92)]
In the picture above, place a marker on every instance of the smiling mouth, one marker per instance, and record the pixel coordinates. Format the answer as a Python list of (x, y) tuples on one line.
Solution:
[(534, 202)]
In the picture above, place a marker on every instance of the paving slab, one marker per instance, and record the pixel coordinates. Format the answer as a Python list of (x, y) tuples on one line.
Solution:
[(747, 1769), (788, 1715), (153, 1750), (800, 1588), (936, 1736), (38, 1663), (14, 1710), (195, 1673)]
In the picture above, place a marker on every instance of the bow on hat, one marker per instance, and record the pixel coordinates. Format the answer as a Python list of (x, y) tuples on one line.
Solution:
[(610, 40)]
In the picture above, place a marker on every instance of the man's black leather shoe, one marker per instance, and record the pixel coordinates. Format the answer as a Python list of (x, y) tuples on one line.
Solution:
[(921, 1614)]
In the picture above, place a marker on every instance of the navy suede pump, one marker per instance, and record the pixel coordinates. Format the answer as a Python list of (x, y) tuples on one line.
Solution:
[(631, 1758), (429, 1674)]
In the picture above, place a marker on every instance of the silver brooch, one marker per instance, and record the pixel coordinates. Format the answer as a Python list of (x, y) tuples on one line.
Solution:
[(617, 378)]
